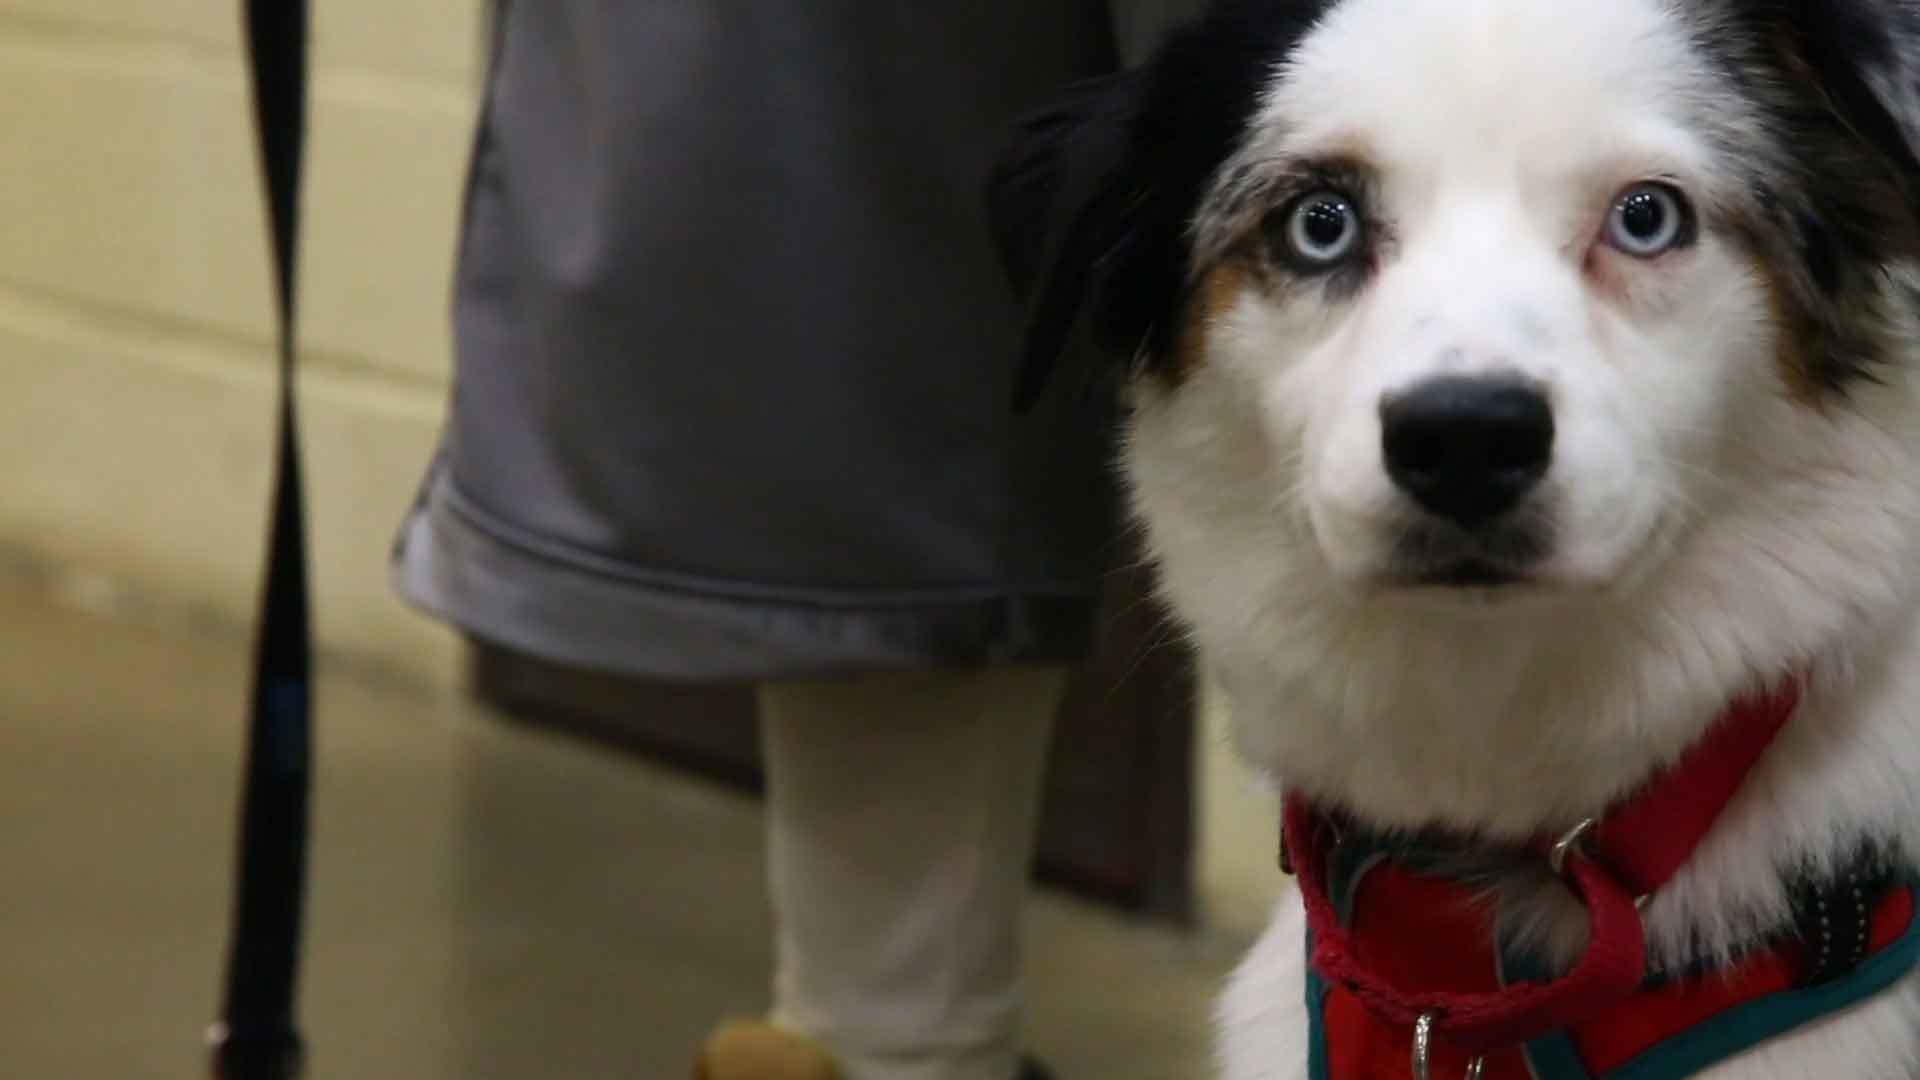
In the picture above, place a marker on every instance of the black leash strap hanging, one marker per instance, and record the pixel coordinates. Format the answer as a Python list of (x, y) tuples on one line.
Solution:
[(257, 1038)]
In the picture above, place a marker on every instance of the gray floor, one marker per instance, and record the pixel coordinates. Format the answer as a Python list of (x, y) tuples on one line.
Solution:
[(487, 902)]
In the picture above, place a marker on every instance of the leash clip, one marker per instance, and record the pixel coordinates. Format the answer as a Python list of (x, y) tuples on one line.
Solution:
[(1570, 844), (1575, 843), (1423, 1049)]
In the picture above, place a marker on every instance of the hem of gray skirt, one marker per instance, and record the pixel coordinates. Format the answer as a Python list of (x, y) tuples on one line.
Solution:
[(587, 611)]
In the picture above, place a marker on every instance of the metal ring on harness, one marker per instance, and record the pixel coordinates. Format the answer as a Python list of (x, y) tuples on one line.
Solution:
[(1573, 843), (1568, 845), (1423, 1049)]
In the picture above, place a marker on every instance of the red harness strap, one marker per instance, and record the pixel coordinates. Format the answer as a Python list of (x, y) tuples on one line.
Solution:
[(1424, 931), (1437, 933), (1634, 850)]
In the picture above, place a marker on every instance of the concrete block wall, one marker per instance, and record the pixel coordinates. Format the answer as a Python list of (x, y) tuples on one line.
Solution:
[(135, 357)]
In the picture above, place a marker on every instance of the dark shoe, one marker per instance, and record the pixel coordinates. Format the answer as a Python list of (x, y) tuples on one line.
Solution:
[(1033, 1070)]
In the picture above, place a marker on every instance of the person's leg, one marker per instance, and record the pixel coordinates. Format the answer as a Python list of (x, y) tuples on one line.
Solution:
[(901, 813)]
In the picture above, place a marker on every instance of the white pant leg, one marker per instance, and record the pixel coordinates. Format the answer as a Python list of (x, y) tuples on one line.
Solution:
[(901, 814)]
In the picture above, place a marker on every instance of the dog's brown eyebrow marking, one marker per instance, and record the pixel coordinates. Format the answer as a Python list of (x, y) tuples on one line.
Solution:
[(1798, 334), (1349, 148), (1351, 176), (1254, 189), (1214, 296)]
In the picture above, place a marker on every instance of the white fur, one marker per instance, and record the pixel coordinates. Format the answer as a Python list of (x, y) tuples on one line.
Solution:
[(1717, 530)]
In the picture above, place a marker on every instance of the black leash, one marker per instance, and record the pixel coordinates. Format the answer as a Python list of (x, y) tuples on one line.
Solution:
[(257, 1038)]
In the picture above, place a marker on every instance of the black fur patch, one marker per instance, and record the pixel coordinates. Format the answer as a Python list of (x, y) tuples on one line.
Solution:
[(1094, 200), (1855, 43), (1832, 168)]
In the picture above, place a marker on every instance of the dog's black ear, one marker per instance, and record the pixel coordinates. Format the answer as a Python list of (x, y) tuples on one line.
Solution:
[(1838, 82), (1865, 57), (1092, 200), (1058, 200), (1093, 203)]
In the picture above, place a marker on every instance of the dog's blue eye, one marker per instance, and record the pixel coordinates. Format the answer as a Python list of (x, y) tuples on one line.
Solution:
[(1649, 220), (1323, 229)]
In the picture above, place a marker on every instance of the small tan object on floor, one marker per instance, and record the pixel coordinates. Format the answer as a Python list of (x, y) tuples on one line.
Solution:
[(751, 1050)]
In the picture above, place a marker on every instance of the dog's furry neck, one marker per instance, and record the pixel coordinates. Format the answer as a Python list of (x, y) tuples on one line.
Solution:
[(1514, 722), (1840, 774)]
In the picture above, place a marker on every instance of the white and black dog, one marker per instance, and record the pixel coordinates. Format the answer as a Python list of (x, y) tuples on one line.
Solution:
[(1516, 386)]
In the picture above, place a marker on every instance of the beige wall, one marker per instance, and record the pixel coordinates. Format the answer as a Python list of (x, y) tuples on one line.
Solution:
[(135, 376), (1237, 874), (135, 372)]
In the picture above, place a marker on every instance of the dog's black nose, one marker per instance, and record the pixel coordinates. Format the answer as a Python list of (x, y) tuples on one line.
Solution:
[(1467, 448)]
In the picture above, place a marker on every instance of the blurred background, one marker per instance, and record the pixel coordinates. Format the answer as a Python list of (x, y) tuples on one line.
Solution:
[(516, 872)]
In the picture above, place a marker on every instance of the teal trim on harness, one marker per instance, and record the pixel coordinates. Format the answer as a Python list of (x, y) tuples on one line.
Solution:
[(1552, 1056), (1347, 865), (1746, 1026), (1317, 989), (1741, 1028)]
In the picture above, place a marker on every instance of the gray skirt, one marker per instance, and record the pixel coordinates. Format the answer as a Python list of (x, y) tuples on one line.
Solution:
[(735, 355)]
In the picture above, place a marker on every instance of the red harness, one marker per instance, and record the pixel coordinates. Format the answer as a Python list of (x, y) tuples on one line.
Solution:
[(1428, 932), (1419, 947)]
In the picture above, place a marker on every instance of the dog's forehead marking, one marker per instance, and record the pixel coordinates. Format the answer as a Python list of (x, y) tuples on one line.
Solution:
[(1415, 83), (1546, 105)]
